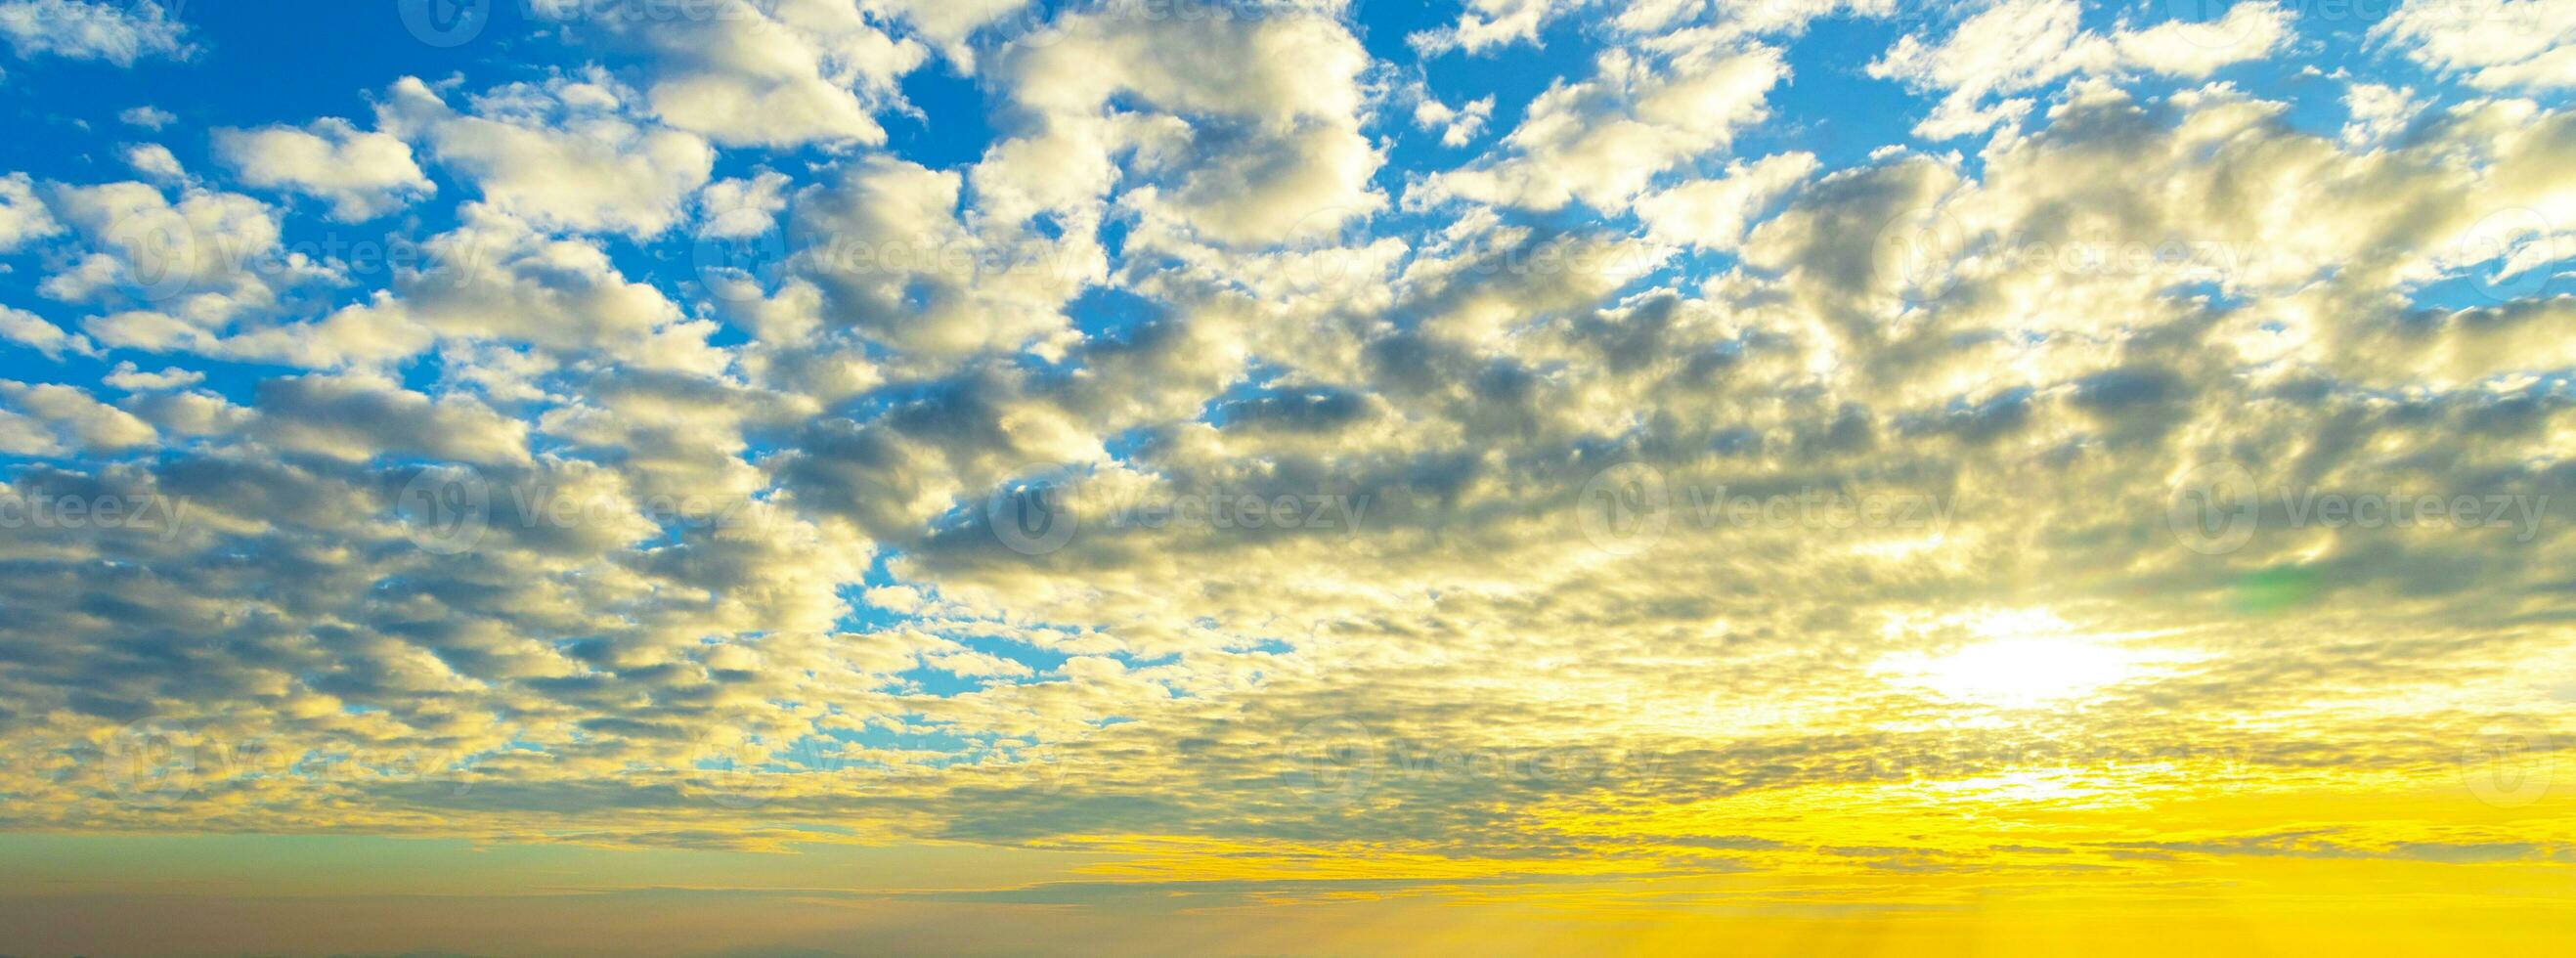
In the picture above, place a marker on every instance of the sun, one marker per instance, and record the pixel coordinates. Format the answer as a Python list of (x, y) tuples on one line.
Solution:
[(2014, 669)]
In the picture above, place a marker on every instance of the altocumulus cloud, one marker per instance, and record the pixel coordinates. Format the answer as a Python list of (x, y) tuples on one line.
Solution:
[(741, 418)]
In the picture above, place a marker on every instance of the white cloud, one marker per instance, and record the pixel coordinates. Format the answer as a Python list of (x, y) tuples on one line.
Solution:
[(79, 419), (1604, 140), (2378, 113), (1714, 213), (119, 33), (207, 256), (126, 376), (2018, 46), (1457, 125), (565, 155), (889, 246), (147, 117), (1251, 134), (357, 417), (947, 24), (155, 161), (23, 216), (2493, 44), (495, 279), (736, 208), (363, 174), (32, 331), (770, 73), (1488, 24)]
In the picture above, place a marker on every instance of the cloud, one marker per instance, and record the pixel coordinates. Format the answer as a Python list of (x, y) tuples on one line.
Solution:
[(131, 379), (496, 278), (948, 24), (82, 30), (770, 74), (29, 330), (1602, 141), (887, 243), (23, 216), (1256, 138), (155, 161), (82, 422), (200, 262), (1457, 125), (566, 154), (1487, 24), (2019, 46), (363, 175), (2493, 44), (1666, 448), (738, 208), (147, 116), (1714, 213)]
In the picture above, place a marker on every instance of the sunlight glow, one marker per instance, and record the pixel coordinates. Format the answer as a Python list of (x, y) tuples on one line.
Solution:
[(2025, 671)]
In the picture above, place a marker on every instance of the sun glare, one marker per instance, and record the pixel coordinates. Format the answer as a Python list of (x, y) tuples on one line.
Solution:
[(2021, 672)]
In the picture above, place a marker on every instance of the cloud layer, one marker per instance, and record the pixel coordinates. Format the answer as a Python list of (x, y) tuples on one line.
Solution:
[(1256, 454)]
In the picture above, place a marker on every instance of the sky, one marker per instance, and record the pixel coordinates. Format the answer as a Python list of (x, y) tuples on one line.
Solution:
[(811, 477)]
